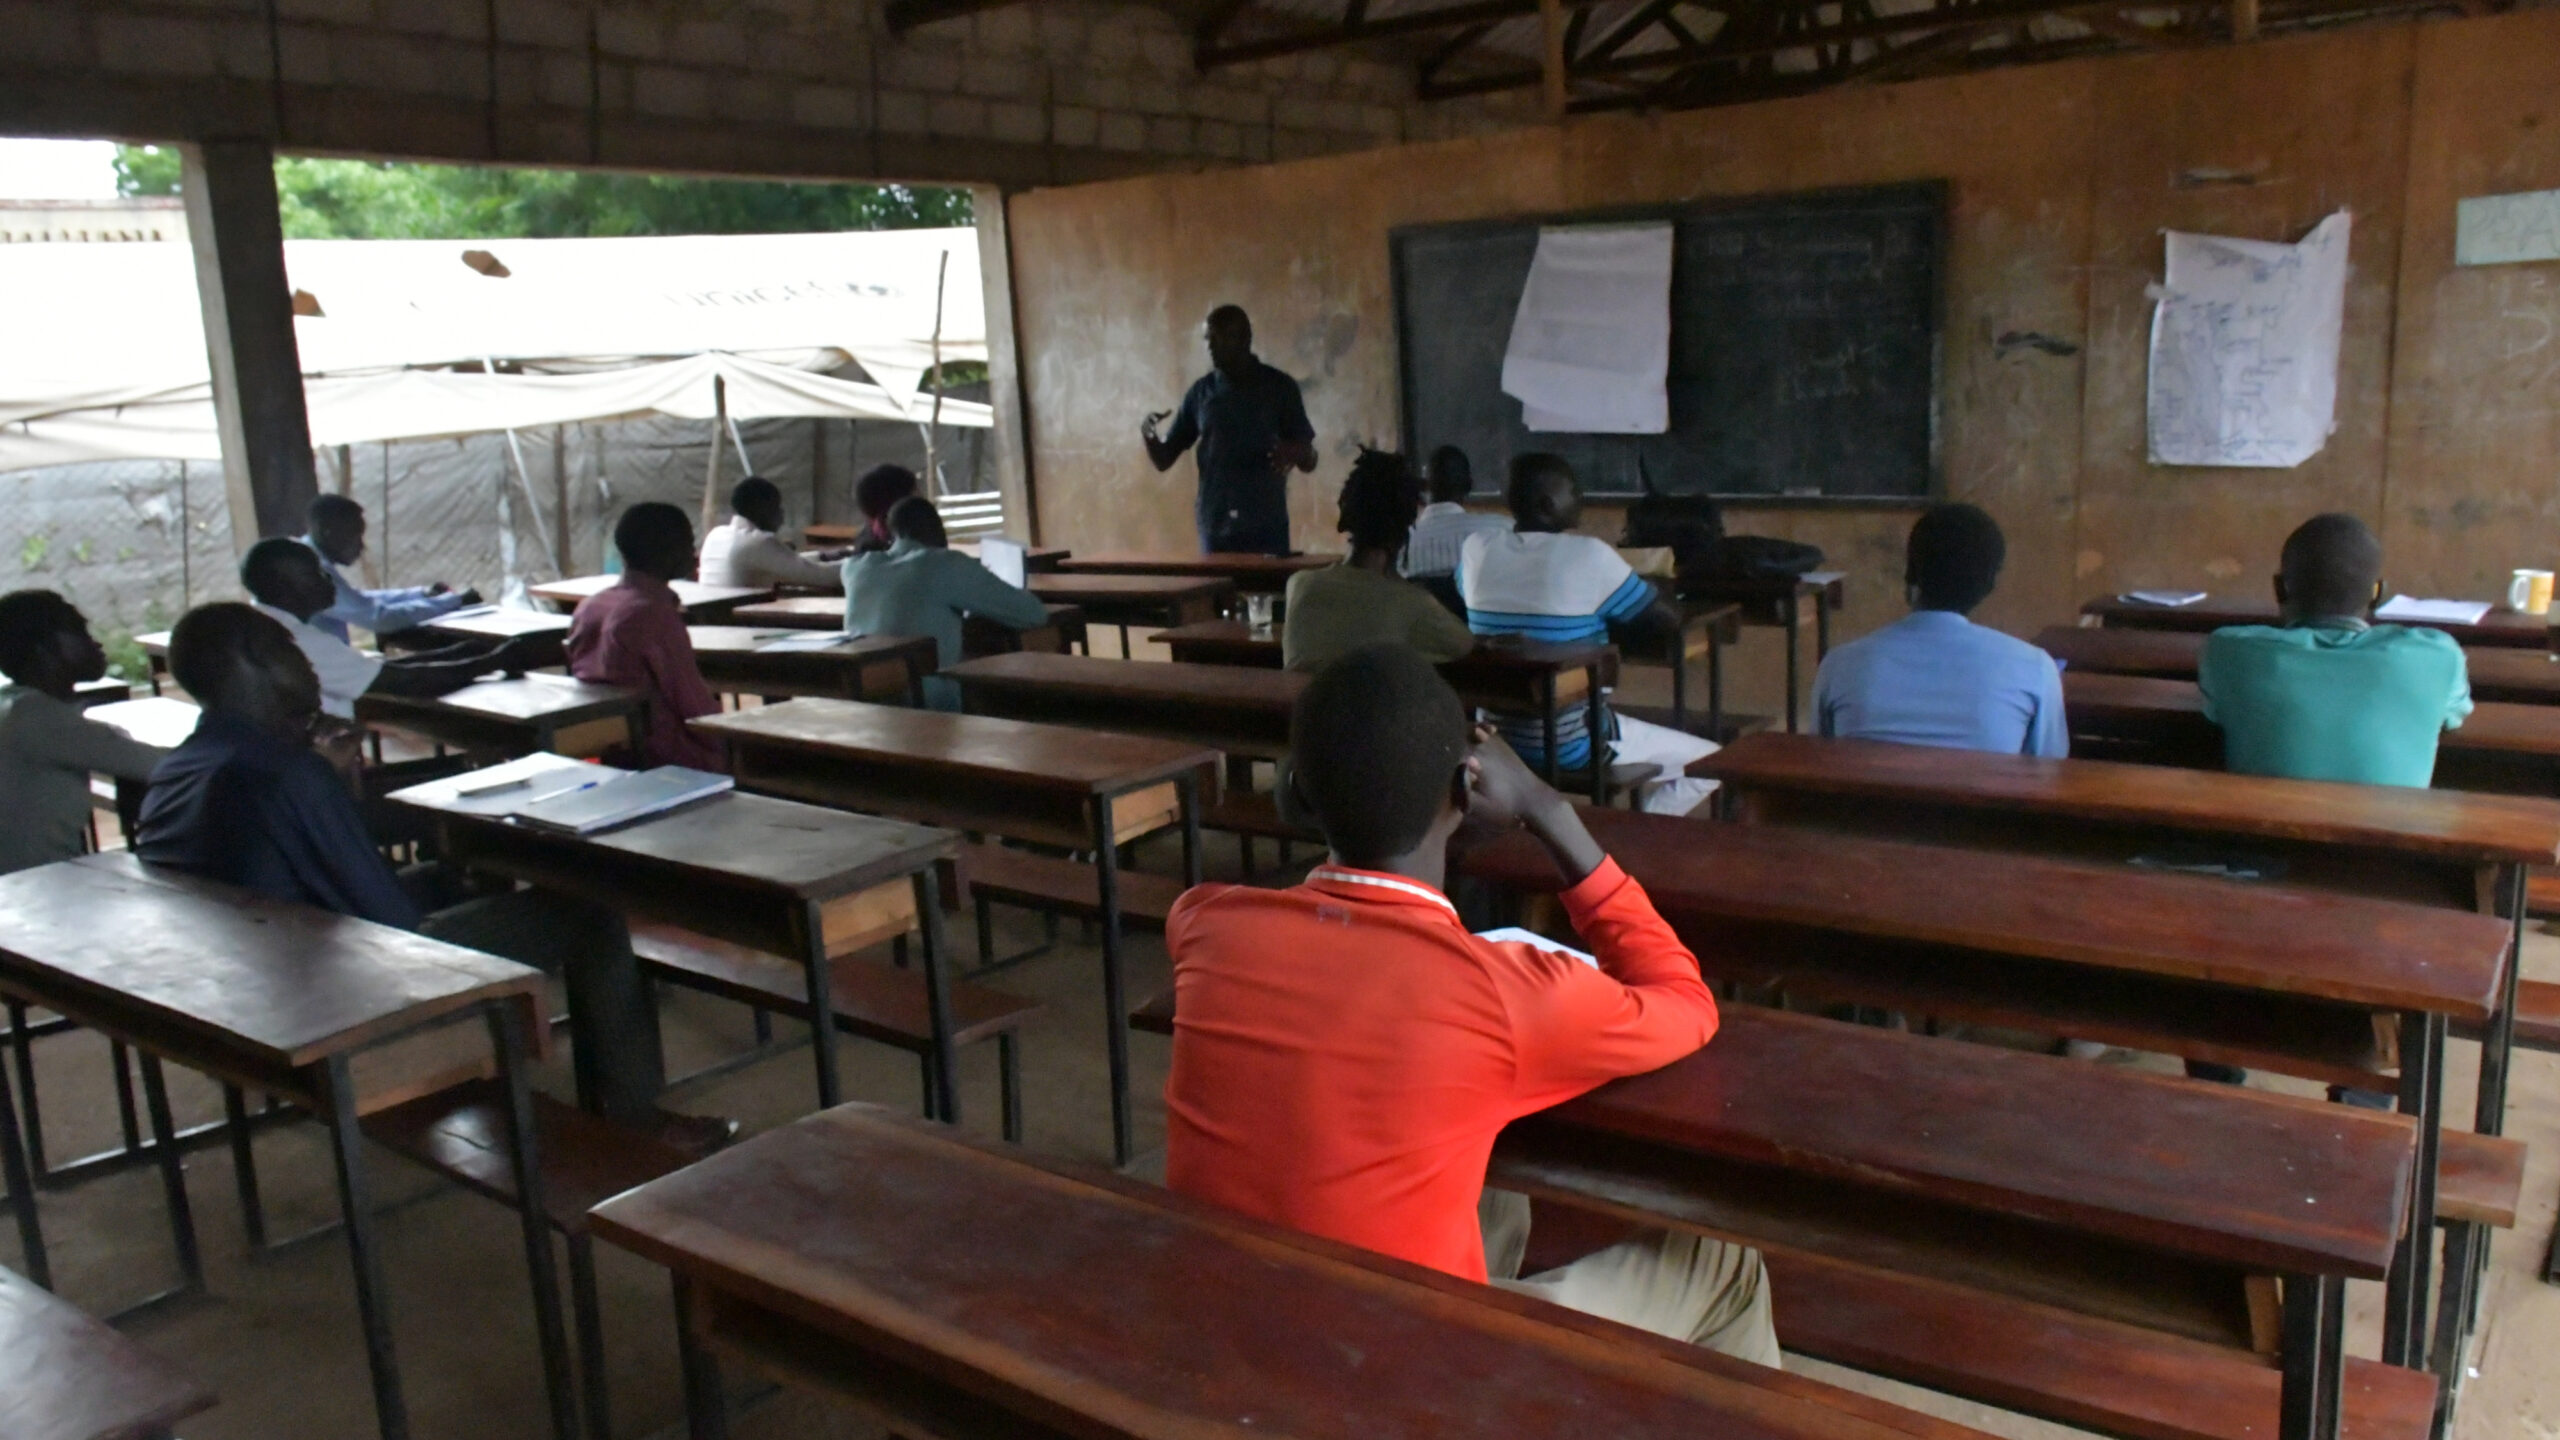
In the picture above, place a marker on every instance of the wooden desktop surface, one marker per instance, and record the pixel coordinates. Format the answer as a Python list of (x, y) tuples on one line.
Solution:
[(733, 660), (2498, 672), (1267, 574), (693, 595), (2154, 709), (526, 699), (500, 623), (1493, 674), (154, 719), (1124, 591), (2458, 828), (882, 1250), (975, 746), (2498, 627), (1231, 707), (977, 637), (65, 1376)]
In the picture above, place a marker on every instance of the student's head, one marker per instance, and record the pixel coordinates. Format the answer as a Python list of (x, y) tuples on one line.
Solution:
[(1229, 333), (1376, 745), (1954, 558), (1452, 478), (1379, 501), (238, 662), (655, 538), (45, 643), (882, 487), (2332, 566), (759, 501), (284, 573), (336, 524), (914, 518), (1543, 493)]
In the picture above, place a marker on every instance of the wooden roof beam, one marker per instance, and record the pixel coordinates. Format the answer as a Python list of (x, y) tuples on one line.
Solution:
[(905, 15), (1412, 22)]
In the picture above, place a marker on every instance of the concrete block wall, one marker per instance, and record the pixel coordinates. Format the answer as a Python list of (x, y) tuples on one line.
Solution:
[(1041, 92)]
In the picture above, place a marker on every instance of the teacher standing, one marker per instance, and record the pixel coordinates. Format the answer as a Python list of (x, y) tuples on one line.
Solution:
[(1251, 427)]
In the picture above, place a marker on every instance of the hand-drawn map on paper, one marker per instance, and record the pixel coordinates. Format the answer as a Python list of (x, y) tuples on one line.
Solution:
[(2507, 229), (2244, 348)]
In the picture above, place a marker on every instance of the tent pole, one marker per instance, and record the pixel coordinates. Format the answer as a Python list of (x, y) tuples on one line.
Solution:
[(932, 464), (524, 479), (711, 469), (746, 462)]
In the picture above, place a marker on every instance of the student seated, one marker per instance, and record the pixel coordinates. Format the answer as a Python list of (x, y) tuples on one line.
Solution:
[(2327, 695), (1340, 608), (875, 495), (1934, 677), (1440, 532), (1345, 1052), (748, 550), (251, 800), (287, 583), (632, 634), (921, 586), (48, 748), (335, 532)]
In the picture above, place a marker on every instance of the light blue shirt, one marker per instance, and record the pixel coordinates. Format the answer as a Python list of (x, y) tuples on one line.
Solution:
[(912, 589), (384, 612), (1936, 678)]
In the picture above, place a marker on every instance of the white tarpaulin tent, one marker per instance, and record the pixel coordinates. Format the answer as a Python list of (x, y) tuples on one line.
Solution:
[(104, 356)]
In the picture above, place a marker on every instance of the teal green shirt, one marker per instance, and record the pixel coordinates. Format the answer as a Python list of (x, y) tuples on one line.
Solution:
[(2334, 702), (912, 589)]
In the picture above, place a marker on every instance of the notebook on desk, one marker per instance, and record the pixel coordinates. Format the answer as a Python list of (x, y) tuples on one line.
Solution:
[(620, 800)]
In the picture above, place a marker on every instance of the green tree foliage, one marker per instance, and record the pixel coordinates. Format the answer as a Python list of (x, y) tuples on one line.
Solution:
[(367, 200)]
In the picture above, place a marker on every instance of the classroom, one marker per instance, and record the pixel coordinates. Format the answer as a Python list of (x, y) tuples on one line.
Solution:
[(1537, 718)]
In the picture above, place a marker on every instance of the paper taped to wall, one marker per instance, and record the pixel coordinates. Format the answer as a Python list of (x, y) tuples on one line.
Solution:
[(2507, 229), (2244, 348), (1590, 348)]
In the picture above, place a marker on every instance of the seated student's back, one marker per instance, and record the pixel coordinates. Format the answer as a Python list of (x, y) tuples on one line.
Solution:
[(920, 586), (1362, 601), (2327, 696)]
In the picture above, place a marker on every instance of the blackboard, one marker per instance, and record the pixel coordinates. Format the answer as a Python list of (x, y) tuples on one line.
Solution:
[(1804, 348)]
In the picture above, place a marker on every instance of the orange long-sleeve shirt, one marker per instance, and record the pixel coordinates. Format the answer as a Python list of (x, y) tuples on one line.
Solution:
[(1344, 1051)]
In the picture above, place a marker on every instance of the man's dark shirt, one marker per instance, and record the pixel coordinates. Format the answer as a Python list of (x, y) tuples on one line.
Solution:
[(239, 805), (1235, 423)]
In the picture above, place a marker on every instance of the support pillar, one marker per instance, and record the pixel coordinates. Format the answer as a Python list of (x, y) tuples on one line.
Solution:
[(1010, 443), (230, 191)]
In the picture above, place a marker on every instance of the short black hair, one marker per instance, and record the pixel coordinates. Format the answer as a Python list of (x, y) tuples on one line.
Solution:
[(2332, 563), (1954, 557), (656, 537), (1452, 475), (1375, 741), (213, 650), (29, 620), (1534, 477), (881, 487), (754, 492), (914, 518), (1379, 500), (1226, 315), (263, 569), (326, 509)]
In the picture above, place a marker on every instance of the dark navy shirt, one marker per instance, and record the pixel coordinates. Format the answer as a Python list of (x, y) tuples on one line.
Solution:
[(236, 804), (1235, 423)]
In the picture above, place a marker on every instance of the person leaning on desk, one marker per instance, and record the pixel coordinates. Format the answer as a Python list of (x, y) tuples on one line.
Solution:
[(921, 586), (259, 797), (48, 749)]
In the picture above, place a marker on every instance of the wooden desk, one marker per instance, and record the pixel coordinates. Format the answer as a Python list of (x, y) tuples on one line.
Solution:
[(1250, 574), (1130, 600), (274, 997), (772, 875), (2499, 627), (152, 720), (1229, 708), (862, 667), (1781, 603), (954, 1288), (1041, 783), (70, 1378), (155, 654), (977, 637), (1788, 1125), (90, 693), (1706, 627), (703, 604), (1035, 559), (547, 632), (516, 717), (2501, 673)]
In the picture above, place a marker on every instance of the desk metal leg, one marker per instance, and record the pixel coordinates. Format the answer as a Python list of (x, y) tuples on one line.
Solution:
[(507, 1035), (355, 1202), (2404, 1302), (244, 1167), (1593, 719), (1115, 1000), (173, 1177), (706, 1409), (2497, 1045), (2462, 1248), (2314, 1357), (943, 1063), (1795, 630), (22, 1188), (1822, 625), (1679, 680), (822, 1002)]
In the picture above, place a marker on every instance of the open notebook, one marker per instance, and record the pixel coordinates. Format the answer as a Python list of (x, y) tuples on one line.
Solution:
[(619, 799)]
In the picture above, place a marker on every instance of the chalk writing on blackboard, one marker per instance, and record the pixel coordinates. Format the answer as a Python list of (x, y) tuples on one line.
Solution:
[(2507, 229), (2244, 348)]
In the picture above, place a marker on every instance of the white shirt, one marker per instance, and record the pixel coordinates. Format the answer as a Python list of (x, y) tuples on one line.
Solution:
[(740, 554), (345, 672), (1440, 531)]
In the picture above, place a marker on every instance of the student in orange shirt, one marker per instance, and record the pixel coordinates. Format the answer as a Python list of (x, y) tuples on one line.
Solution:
[(1345, 1051)]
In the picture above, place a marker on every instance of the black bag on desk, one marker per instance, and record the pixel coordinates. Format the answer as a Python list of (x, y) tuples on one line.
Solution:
[(1754, 557), (1692, 529)]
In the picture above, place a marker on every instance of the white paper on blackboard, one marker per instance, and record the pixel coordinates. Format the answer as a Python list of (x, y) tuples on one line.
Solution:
[(2507, 229), (1590, 348), (2244, 348)]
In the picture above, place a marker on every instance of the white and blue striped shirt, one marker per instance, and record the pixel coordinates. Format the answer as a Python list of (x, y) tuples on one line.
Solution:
[(1440, 533), (1560, 589)]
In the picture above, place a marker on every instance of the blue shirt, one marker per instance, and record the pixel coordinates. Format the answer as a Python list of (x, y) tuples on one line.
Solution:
[(239, 805), (2334, 701), (1936, 678), (912, 589), (384, 612), (1235, 423)]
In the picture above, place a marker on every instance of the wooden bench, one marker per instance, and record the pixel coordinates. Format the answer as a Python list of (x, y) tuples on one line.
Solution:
[(1049, 885), (2498, 627), (64, 1376), (885, 1005), (2498, 672)]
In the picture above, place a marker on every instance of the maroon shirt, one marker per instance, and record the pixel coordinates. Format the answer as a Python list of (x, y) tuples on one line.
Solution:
[(633, 635)]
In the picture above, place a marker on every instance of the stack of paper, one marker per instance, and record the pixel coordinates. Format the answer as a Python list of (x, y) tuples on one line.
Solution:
[(1590, 346), (2163, 597), (802, 640), (501, 789), (2431, 612), (621, 800)]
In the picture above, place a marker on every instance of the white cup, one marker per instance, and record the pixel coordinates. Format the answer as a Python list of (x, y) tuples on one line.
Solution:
[(2529, 592)]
